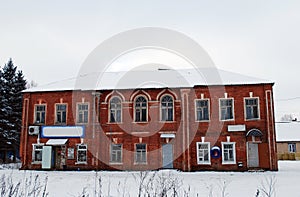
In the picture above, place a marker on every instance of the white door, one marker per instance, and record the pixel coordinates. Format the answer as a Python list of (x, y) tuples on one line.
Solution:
[(253, 159), (167, 155), (47, 157)]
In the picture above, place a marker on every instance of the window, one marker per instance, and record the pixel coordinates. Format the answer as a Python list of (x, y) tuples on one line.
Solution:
[(70, 153), (203, 152), (82, 153), (61, 114), (167, 108), (116, 153), (141, 109), (226, 109), (252, 111), (140, 153), (202, 110), (37, 153), (82, 113), (115, 110), (40, 113), (228, 153), (292, 147)]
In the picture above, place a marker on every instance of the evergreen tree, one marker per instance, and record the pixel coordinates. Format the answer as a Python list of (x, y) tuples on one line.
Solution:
[(12, 84)]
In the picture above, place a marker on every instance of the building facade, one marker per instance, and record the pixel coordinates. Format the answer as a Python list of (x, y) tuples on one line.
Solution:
[(202, 127)]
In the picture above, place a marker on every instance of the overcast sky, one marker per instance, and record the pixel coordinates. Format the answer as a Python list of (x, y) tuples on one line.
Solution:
[(49, 40)]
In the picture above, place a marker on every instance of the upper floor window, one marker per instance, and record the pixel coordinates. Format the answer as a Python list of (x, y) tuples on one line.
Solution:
[(61, 114), (82, 113), (226, 109), (292, 147), (252, 110), (141, 109), (202, 110), (228, 153), (115, 109), (40, 114), (167, 108), (203, 152)]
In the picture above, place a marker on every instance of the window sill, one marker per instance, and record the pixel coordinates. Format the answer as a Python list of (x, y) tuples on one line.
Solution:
[(204, 163), (227, 120), (146, 163), (252, 119), (229, 163), (80, 163), (202, 120), (115, 163)]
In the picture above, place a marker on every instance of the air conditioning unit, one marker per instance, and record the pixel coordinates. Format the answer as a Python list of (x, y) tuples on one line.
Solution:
[(33, 130)]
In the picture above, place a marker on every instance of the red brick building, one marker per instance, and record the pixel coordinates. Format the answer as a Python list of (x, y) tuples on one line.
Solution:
[(199, 124)]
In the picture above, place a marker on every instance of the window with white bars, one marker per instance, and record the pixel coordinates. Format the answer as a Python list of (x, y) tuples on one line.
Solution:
[(140, 109), (82, 113), (116, 153), (167, 108), (202, 110), (203, 152), (81, 153), (252, 108), (40, 114), (226, 109), (37, 153), (61, 114), (115, 107), (140, 153), (228, 153)]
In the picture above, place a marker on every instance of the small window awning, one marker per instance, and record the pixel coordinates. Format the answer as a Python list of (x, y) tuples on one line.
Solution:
[(56, 142), (254, 132), (167, 135)]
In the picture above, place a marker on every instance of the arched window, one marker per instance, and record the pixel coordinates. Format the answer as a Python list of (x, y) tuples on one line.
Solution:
[(115, 109), (140, 109), (167, 108)]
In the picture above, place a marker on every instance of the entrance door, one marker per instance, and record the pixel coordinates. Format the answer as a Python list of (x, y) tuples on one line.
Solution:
[(253, 159), (167, 154)]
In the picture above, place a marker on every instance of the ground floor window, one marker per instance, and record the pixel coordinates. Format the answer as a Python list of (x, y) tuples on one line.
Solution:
[(292, 147), (140, 153), (203, 153), (228, 153), (82, 153), (37, 152), (116, 153)]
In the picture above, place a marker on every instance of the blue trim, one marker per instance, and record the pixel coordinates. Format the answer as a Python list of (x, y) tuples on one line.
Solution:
[(81, 136)]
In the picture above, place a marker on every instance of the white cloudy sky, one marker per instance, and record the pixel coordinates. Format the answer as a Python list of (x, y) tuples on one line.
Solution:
[(49, 40)]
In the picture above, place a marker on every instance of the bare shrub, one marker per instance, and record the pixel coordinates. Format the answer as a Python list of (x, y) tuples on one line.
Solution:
[(267, 187)]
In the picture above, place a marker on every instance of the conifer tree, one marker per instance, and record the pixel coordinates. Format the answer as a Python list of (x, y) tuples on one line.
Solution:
[(11, 86)]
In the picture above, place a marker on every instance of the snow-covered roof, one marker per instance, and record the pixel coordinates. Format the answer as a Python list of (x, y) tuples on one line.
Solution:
[(158, 78), (287, 131)]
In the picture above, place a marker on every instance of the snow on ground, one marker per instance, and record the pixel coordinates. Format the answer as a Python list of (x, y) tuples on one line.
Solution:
[(72, 183)]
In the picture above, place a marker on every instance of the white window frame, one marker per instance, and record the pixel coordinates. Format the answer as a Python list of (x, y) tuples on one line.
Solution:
[(79, 148), (35, 113), (55, 121), (136, 154), (113, 152), (141, 109), (292, 147), (220, 110), (161, 108), (223, 153), (109, 112), (34, 161), (199, 162), (82, 111), (245, 108), (196, 109)]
